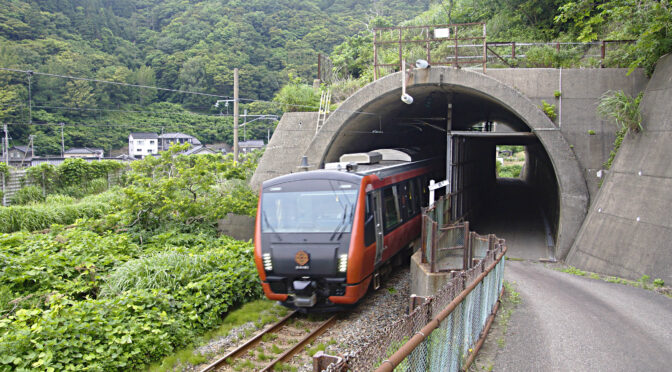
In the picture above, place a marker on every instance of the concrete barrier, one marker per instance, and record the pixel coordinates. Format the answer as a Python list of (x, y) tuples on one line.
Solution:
[(237, 226), (628, 230)]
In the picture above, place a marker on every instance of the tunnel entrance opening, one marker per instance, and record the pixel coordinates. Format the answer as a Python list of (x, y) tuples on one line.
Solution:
[(466, 126)]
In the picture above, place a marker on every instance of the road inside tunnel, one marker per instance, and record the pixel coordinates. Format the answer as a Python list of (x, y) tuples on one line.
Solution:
[(513, 213)]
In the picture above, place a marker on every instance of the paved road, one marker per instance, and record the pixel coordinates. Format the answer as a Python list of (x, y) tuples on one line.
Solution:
[(570, 323)]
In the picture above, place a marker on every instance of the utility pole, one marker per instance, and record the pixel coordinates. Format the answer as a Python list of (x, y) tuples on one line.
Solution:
[(245, 126), (62, 141), (235, 116), (6, 144)]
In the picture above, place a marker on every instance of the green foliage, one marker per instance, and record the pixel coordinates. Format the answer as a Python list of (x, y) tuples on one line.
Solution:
[(648, 22), (574, 271), (620, 135), (298, 97), (622, 109), (187, 192), (509, 171), (658, 283), (192, 45), (42, 216), (548, 109), (548, 56), (27, 195), (4, 170), (557, 94), (591, 132), (54, 281)]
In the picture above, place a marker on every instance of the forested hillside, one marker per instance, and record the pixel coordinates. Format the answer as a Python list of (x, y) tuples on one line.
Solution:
[(176, 44), (194, 46)]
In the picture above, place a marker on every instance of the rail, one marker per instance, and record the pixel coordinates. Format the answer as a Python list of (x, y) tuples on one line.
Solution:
[(259, 338)]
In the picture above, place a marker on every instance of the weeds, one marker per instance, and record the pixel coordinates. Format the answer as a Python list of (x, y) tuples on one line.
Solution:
[(623, 109)]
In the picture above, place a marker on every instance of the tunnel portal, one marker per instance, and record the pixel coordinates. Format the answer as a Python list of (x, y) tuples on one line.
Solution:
[(464, 116)]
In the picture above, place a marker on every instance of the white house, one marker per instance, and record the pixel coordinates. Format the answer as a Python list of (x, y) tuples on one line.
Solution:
[(141, 144)]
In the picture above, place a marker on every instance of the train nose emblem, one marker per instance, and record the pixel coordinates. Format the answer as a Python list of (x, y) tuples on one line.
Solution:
[(301, 258)]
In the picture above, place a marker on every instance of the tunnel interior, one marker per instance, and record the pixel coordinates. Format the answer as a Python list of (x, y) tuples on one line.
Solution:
[(525, 210)]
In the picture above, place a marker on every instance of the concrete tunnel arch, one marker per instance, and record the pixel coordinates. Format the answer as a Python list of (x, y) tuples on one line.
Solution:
[(573, 195)]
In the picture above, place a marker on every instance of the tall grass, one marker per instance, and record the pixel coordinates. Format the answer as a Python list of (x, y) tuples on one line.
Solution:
[(167, 270), (56, 210), (622, 109)]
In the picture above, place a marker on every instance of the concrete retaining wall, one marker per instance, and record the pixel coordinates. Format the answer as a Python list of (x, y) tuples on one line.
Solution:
[(628, 230), (237, 226), (290, 140)]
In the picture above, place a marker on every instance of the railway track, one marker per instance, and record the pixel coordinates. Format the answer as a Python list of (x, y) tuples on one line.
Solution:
[(277, 344)]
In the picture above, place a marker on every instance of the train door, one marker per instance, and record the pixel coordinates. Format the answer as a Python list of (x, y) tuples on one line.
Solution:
[(378, 217)]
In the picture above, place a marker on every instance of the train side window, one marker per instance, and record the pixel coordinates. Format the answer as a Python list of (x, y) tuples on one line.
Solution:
[(404, 201), (412, 198), (369, 222), (391, 214)]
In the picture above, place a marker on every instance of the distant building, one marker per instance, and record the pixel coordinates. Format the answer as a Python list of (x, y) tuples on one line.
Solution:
[(247, 146), (223, 148), (167, 139), (199, 150), (84, 152), (20, 155), (141, 144)]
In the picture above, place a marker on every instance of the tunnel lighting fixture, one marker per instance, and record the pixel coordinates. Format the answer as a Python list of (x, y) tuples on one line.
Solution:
[(343, 263), (405, 98), (268, 264), (421, 64)]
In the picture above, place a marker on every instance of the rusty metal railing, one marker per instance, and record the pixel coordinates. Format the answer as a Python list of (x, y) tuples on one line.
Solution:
[(455, 45), (450, 247), (441, 333)]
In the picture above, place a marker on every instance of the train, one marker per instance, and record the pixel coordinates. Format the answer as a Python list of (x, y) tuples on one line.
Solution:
[(323, 237)]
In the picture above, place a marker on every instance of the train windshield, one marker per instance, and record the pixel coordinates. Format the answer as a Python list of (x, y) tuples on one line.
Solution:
[(321, 206)]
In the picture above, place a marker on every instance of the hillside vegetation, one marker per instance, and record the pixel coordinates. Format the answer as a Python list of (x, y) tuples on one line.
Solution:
[(180, 45)]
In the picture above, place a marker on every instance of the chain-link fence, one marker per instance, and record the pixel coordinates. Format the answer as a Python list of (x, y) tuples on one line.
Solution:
[(440, 333)]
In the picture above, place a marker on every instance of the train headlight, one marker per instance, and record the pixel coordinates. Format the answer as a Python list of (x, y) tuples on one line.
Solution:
[(268, 264), (343, 263)]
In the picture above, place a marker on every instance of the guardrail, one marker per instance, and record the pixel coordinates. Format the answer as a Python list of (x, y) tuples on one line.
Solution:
[(466, 45)]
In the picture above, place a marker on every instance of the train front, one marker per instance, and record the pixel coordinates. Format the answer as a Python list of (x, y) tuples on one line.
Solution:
[(302, 241)]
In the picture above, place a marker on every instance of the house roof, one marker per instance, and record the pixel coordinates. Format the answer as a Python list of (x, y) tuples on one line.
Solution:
[(144, 135), (83, 150), (175, 135), (199, 150), (20, 148), (169, 136), (251, 143)]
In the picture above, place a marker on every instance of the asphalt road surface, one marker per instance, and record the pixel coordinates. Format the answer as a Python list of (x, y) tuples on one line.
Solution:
[(572, 323)]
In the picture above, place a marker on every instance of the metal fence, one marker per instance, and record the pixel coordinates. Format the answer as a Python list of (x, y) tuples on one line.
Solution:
[(442, 333)]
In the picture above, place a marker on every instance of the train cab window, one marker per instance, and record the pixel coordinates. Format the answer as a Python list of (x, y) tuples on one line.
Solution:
[(391, 215), (369, 222)]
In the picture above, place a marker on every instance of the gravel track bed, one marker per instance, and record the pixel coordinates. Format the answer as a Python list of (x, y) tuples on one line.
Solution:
[(355, 327), (352, 330)]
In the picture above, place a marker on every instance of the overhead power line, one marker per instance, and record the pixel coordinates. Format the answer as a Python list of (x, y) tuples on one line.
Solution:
[(112, 82)]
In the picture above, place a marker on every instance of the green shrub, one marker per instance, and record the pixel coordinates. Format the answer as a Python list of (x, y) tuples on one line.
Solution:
[(549, 56), (128, 325), (548, 109), (510, 171), (27, 195), (295, 96)]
